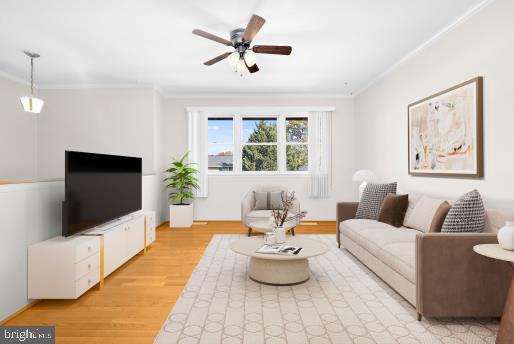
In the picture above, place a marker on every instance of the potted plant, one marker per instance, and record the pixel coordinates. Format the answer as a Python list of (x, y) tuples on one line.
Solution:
[(182, 182)]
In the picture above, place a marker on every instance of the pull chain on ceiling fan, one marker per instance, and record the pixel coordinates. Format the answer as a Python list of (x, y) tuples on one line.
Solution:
[(243, 57)]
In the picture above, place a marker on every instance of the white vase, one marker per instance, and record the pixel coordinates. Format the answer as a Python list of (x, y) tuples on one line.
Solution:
[(181, 215), (506, 236), (280, 235)]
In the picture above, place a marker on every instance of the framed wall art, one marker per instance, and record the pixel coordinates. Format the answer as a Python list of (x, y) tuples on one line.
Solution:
[(445, 132)]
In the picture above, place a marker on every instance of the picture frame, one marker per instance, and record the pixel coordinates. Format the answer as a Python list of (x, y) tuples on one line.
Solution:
[(445, 132)]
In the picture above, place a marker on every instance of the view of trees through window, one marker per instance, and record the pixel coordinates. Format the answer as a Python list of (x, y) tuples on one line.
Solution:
[(260, 144)]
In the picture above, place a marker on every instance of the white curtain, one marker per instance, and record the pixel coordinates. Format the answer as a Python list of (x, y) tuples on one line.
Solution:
[(197, 147), (320, 154)]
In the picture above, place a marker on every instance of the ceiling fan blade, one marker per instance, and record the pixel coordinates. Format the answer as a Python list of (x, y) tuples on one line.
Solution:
[(272, 49), (212, 37), (217, 59), (253, 27), (252, 69)]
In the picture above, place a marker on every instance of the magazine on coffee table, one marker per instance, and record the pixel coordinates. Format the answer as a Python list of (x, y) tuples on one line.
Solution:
[(286, 250)]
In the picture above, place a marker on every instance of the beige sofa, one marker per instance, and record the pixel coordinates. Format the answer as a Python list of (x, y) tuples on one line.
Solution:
[(438, 273)]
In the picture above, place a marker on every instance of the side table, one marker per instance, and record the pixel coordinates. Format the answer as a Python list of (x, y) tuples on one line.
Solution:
[(506, 330)]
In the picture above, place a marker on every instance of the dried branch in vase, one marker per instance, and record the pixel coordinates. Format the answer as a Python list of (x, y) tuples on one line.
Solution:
[(283, 215)]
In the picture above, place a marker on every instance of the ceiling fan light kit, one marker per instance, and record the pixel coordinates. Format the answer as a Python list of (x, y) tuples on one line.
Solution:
[(31, 103), (243, 57)]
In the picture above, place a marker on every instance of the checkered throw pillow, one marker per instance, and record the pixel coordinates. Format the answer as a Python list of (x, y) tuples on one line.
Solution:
[(372, 198), (466, 215)]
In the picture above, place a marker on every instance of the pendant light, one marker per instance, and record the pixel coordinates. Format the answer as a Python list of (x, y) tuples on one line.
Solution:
[(31, 103)]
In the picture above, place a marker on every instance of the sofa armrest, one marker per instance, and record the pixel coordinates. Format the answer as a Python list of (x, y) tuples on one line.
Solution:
[(247, 205), (344, 211), (454, 281)]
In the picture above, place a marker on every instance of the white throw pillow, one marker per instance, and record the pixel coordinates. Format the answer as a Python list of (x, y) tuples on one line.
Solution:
[(422, 214)]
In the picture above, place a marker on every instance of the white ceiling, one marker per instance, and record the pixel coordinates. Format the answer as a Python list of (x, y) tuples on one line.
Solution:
[(127, 42)]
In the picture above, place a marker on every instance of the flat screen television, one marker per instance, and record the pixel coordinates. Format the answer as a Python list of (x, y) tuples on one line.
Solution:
[(99, 188)]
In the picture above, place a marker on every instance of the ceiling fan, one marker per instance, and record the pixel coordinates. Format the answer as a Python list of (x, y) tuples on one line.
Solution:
[(240, 39)]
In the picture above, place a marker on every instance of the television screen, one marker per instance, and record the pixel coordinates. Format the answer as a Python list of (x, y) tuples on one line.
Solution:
[(99, 188)]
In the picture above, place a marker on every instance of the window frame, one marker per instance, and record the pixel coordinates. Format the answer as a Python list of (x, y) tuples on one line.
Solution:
[(281, 142)]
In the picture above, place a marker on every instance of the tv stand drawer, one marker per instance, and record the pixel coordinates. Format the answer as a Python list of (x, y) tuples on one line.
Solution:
[(87, 249), (87, 265), (86, 282)]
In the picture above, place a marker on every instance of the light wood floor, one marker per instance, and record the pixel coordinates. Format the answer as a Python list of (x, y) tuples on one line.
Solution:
[(137, 297)]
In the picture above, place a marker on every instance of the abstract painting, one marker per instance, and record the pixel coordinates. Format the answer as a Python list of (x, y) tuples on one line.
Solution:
[(446, 132)]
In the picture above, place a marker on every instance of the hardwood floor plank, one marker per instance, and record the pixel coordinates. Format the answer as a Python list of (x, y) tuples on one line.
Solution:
[(137, 298)]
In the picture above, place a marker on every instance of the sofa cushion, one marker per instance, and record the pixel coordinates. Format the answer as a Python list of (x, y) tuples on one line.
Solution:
[(259, 215), (423, 213), (395, 247), (372, 198), (466, 215), (268, 200)]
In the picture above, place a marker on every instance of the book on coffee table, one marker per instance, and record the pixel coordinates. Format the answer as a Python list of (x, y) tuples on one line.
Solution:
[(286, 250)]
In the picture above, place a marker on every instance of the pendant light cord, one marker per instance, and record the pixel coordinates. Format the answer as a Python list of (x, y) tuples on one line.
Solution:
[(31, 76)]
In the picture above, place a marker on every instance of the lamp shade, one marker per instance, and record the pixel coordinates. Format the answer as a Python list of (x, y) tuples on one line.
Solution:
[(32, 104), (234, 58), (364, 176)]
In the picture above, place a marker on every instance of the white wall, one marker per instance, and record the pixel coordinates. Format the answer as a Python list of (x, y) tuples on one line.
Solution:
[(29, 213), (226, 192), (17, 134), (483, 45), (110, 121)]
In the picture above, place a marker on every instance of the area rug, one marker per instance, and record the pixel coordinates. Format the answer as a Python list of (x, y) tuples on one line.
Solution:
[(342, 302)]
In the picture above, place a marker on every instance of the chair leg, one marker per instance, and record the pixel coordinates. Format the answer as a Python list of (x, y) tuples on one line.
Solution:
[(292, 231), (419, 316), (249, 231)]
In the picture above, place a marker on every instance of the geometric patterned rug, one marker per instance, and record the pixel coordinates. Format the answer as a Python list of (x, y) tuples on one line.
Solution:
[(342, 302)]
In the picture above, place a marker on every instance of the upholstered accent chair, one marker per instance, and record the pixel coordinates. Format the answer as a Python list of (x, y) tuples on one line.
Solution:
[(250, 215)]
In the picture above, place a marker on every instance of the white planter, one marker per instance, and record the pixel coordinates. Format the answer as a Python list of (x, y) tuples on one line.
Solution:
[(181, 215), (506, 236)]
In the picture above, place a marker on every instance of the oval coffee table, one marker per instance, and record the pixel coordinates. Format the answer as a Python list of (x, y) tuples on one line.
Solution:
[(276, 269)]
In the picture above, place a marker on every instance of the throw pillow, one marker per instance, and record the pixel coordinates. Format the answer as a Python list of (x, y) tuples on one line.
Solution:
[(439, 217), (466, 215), (413, 200), (393, 209), (268, 200), (423, 213), (372, 198)]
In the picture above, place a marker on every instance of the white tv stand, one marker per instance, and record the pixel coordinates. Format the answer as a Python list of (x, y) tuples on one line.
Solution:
[(66, 267)]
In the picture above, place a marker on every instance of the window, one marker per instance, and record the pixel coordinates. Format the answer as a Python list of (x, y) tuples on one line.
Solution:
[(254, 143), (259, 144), (297, 144), (221, 144)]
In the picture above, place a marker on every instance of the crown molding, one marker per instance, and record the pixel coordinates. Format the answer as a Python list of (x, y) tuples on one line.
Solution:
[(257, 95), (94, 86), (425, 45)]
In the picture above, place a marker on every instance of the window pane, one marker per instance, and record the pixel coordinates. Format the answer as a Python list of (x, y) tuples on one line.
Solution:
[(297, 157), (220, 130), (221, 158), (297, 129), (260, 158), (259, 130)]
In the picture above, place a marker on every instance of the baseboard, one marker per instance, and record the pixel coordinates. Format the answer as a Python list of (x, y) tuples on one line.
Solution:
[(18, 312)]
